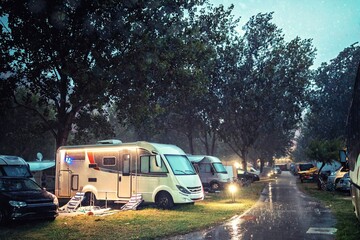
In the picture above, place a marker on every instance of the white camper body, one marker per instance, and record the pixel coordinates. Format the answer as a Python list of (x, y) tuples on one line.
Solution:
[(161, 173), (14, 166), (212, 172)]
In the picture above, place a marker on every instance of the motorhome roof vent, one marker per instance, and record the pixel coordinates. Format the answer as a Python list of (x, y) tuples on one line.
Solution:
[(109, 141)]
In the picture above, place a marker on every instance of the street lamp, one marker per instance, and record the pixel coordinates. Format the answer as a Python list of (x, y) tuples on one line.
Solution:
[(232, 189)]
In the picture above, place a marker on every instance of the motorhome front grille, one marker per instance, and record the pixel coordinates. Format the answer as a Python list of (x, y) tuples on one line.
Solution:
[(194, 189)]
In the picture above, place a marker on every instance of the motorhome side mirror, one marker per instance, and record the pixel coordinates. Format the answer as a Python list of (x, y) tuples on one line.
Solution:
[(342, 155), (158, 160)]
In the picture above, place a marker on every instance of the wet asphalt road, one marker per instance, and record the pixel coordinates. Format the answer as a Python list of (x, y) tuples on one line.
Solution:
[(282, 212)]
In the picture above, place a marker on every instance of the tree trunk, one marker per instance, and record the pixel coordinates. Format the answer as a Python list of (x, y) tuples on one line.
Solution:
[(191, 143), (318, 175)]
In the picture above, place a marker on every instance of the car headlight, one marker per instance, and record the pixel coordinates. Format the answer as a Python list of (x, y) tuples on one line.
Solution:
[(17, 204), (183, 190), (56, 201)]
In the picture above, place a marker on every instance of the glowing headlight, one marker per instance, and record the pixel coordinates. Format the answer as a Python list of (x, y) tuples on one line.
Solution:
[(17, 204), (56, 201), (183, 190)]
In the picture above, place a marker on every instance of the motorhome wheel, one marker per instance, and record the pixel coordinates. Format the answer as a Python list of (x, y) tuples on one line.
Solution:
[(215, 186), (164, 200), (89, 199)]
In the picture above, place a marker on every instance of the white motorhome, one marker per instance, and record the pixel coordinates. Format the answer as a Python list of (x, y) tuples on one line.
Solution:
[(14, 166), (212, 172), (116, 171), (353, 146)]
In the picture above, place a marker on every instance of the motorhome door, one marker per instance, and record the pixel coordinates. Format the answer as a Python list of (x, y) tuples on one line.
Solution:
[(124, 176), (65, 181)]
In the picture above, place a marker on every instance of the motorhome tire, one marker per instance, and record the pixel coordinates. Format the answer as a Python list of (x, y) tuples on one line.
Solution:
[(215, 186), (164, 200), (89, 199)]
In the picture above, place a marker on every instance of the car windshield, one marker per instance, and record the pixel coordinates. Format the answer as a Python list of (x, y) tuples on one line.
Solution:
[(18, 185), (180, 165), (219, 168), (17, 171)]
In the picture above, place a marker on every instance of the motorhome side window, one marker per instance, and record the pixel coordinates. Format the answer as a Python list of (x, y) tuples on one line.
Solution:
[(205, 168), (148, 165), (109, 161)]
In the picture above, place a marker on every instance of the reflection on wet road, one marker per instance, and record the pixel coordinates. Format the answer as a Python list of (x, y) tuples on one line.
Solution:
[(283, 212)]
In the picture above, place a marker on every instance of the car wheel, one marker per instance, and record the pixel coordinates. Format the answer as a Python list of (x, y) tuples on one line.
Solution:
[(164, 200), (215, 186)]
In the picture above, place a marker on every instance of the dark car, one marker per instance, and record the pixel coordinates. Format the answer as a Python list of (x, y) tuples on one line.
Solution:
[(242, 174), (24, 199)]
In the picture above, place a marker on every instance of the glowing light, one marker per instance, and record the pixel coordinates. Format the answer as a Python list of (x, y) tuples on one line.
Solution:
[(237, 165), (68, 160), (232, 189)]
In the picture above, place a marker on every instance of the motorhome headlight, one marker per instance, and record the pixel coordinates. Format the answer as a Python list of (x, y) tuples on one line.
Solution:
[(183, 190), (17, 204)]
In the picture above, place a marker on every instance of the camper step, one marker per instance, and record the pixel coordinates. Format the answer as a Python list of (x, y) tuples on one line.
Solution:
[(133, 203), (75, 201)]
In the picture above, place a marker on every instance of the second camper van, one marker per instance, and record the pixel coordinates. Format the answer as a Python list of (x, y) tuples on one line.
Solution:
[(212, 172)]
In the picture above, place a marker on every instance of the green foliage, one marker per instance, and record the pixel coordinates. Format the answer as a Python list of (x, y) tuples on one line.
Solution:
[(267, 89), (79, 56), (330, 99), (324, 151)]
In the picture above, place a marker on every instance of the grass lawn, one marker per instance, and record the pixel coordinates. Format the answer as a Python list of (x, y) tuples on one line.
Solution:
[(348, 227), (147, 223)]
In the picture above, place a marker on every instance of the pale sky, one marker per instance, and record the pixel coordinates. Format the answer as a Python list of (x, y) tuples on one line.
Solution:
[(332, 24)]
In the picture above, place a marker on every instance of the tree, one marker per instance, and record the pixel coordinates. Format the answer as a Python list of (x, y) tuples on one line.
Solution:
[(324, 151), (75, 56), (269, 83), (329, 99)]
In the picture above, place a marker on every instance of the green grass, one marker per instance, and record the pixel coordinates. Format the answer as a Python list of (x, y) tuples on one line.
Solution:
[(348, 227), (147, 223)]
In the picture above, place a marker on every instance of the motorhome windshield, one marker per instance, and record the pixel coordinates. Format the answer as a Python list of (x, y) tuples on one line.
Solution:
[(180, 165), (219, 168), (15, 171)]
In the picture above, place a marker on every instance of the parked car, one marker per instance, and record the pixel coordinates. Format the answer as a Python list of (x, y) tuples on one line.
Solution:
[(344, 183), (296, 167), (253, 170), (308, 174), (242, 174), (277, 170), (23, 199), (335, 176)]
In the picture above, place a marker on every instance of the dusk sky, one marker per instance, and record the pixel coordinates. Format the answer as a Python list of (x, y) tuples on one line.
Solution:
[(332, 24)]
